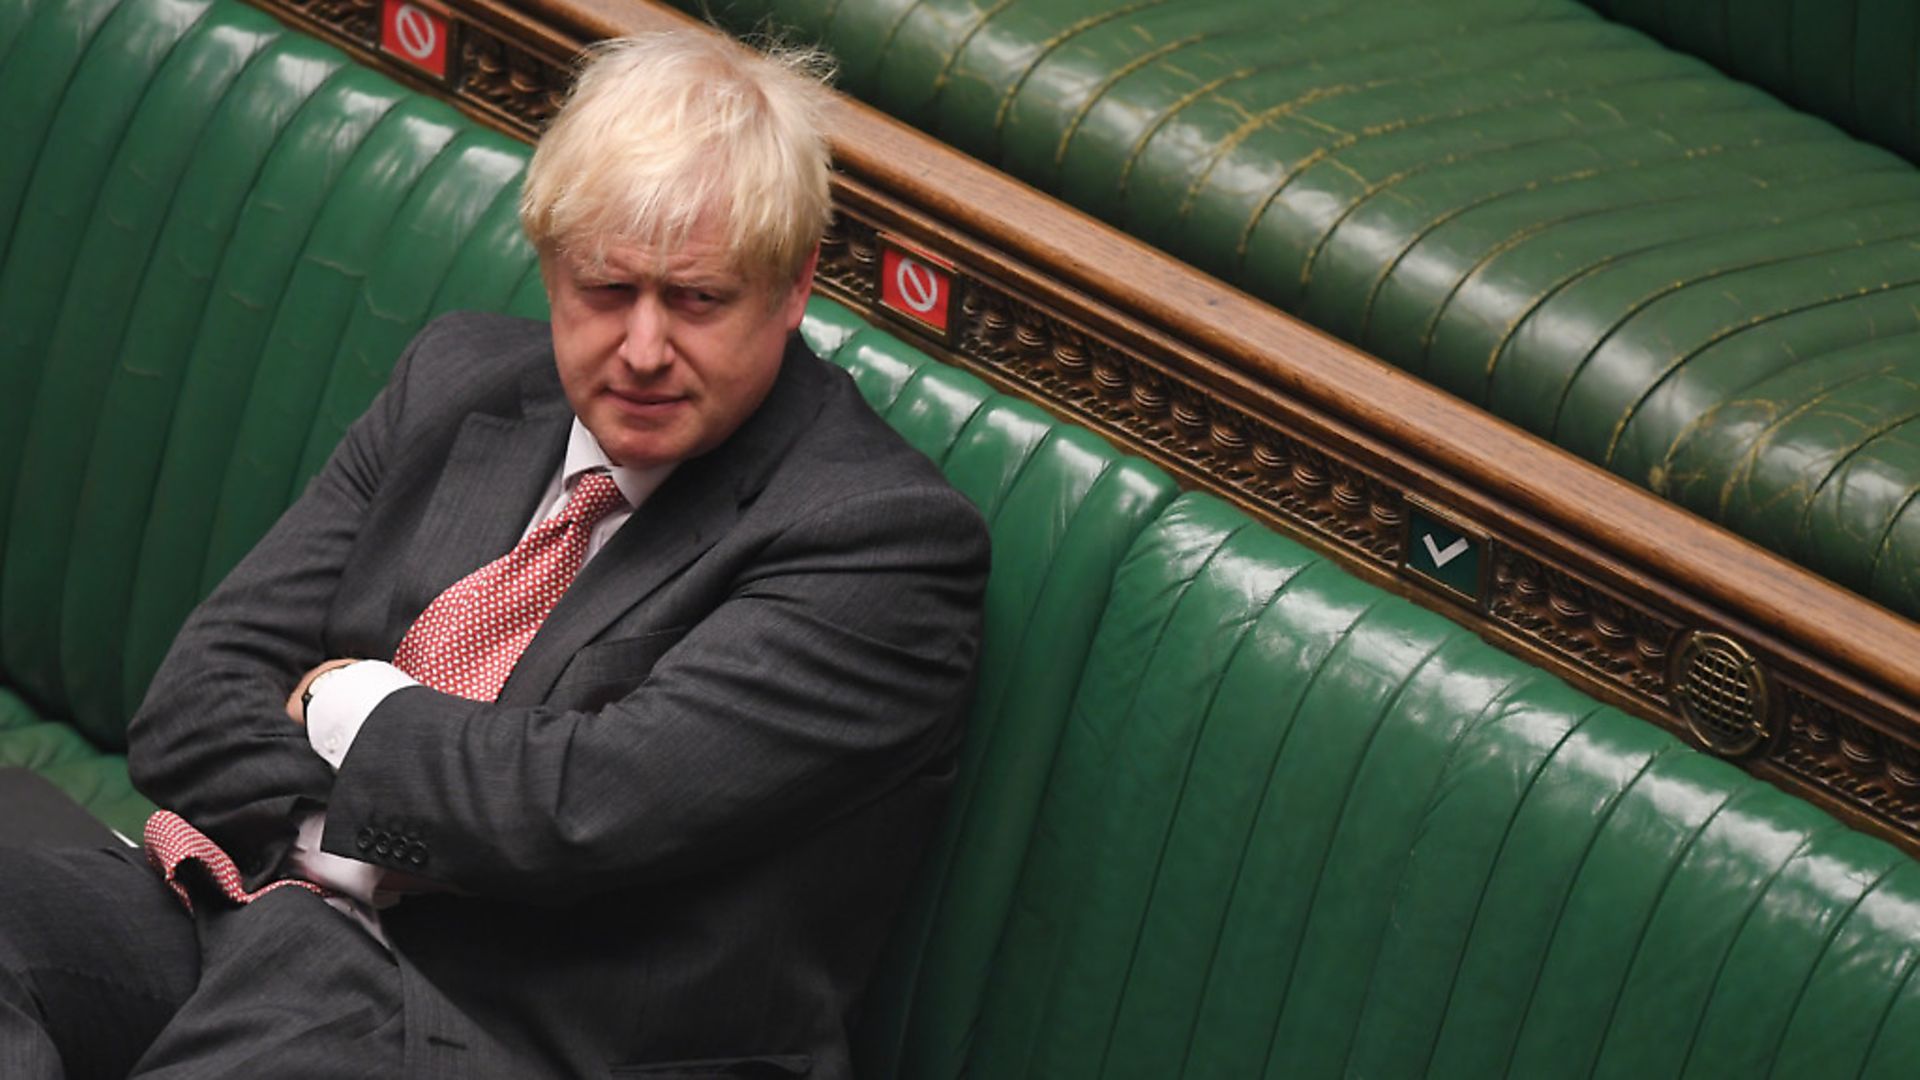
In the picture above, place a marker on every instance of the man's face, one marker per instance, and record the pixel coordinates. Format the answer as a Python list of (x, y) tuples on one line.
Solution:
[(662, 360)]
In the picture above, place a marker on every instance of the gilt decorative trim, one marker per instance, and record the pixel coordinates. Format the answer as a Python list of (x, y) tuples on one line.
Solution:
[(1612, 639), (1855, 762)]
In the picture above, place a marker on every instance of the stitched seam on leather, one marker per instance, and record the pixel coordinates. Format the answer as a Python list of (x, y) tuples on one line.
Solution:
[(1345, 139), (46, 670), (1774, 431), (272, 48), (1670, 288), (1558, 180), (940, 78), (1494, 707), (1329, 152), (962, 798), (1886, 535), (1505, 344), (1053, 44), (1147, 59), (1253, 827), (1247, 630), (1646, 921), (509, 192), (1910, 965), (1600, 823), (1846, 459), (193, 45), (448, 151), (922, 374), (1050, 997), (1289, 63), (217, 479), (1533, 230), (1739, 928), (1380, 720), (886, 42), (1386, 184), (1813, 969), (1499, 853), (1911, 240)]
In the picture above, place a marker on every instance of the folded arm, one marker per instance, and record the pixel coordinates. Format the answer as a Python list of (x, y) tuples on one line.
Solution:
[(837, 668)]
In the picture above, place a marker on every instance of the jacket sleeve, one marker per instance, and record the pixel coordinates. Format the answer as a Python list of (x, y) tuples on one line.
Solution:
[(838, 666), (212, 740)]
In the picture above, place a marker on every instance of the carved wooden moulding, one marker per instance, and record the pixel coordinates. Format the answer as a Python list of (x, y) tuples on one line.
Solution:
[(1647, 644), (482, 58)]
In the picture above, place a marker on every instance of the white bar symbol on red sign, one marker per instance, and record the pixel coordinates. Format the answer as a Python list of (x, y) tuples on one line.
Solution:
[(416, 35), (915, 288)]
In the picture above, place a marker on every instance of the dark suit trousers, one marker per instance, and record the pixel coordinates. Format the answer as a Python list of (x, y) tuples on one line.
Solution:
[(103, 974)]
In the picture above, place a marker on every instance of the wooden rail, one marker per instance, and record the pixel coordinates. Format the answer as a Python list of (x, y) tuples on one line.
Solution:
[(1629, 597)]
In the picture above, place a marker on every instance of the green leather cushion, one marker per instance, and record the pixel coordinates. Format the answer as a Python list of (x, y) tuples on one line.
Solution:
[(1298, 827), (1542, 211)]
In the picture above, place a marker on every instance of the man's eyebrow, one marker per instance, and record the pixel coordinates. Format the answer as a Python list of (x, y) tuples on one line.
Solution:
[(713, 283)]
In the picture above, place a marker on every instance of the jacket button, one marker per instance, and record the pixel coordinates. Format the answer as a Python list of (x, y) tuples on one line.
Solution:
[(417, 854), (364, 838)]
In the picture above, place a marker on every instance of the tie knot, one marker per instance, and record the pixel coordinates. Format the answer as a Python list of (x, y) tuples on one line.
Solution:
[(594, 496)]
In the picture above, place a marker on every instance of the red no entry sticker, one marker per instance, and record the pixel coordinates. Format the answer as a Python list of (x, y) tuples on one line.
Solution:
[(915, 288), (415, 34)]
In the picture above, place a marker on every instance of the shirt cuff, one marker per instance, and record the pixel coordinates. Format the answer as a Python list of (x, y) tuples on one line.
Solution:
[(343, 699)]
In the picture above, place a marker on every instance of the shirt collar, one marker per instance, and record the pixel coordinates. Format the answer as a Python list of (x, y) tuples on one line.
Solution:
[(584, 454)]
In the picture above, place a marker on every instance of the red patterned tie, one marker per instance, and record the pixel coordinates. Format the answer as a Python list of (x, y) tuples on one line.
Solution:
[(465, 643), (172, 843), (469, 638)]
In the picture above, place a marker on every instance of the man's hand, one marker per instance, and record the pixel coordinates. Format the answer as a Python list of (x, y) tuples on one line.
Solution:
[(294, 708)]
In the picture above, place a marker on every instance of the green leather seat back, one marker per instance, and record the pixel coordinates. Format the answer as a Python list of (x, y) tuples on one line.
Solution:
[(1063, 508), (1298, 827), (1543, 211), (207, 285), (1854, 63), (215, 237)]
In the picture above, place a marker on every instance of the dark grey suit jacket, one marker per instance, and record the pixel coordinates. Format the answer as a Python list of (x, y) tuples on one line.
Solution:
[(681, 831)]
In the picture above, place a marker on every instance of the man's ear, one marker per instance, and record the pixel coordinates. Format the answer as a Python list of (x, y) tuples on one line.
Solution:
[(794, 304)]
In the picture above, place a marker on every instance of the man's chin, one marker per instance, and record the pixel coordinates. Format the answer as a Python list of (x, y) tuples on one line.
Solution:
[(648, 452)]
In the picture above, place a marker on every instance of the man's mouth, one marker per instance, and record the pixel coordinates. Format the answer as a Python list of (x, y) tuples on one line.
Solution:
[(644, 402)]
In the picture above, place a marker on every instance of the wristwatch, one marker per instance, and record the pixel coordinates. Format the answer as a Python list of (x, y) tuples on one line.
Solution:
[(306, 696)]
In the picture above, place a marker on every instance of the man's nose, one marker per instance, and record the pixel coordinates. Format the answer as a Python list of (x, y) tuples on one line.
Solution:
[(645, 349)]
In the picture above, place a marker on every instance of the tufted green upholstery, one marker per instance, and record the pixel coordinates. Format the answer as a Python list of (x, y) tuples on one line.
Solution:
[(1545, 212), (1223, 809), (1296, 827)]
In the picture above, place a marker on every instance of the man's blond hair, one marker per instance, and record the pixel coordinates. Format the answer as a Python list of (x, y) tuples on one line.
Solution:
[(667, 130)]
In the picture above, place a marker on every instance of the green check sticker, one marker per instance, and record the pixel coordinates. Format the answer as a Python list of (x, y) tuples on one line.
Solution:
[(1444, 553)]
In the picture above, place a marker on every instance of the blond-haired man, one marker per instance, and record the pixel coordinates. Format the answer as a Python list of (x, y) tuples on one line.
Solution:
[(608, 678)]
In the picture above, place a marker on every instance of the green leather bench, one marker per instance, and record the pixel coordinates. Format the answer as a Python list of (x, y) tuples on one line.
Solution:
[(1607, 242), (1224, 811)]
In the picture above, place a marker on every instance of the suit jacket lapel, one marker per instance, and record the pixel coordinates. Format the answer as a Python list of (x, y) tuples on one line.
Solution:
[(495, 471), (685, 517)]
